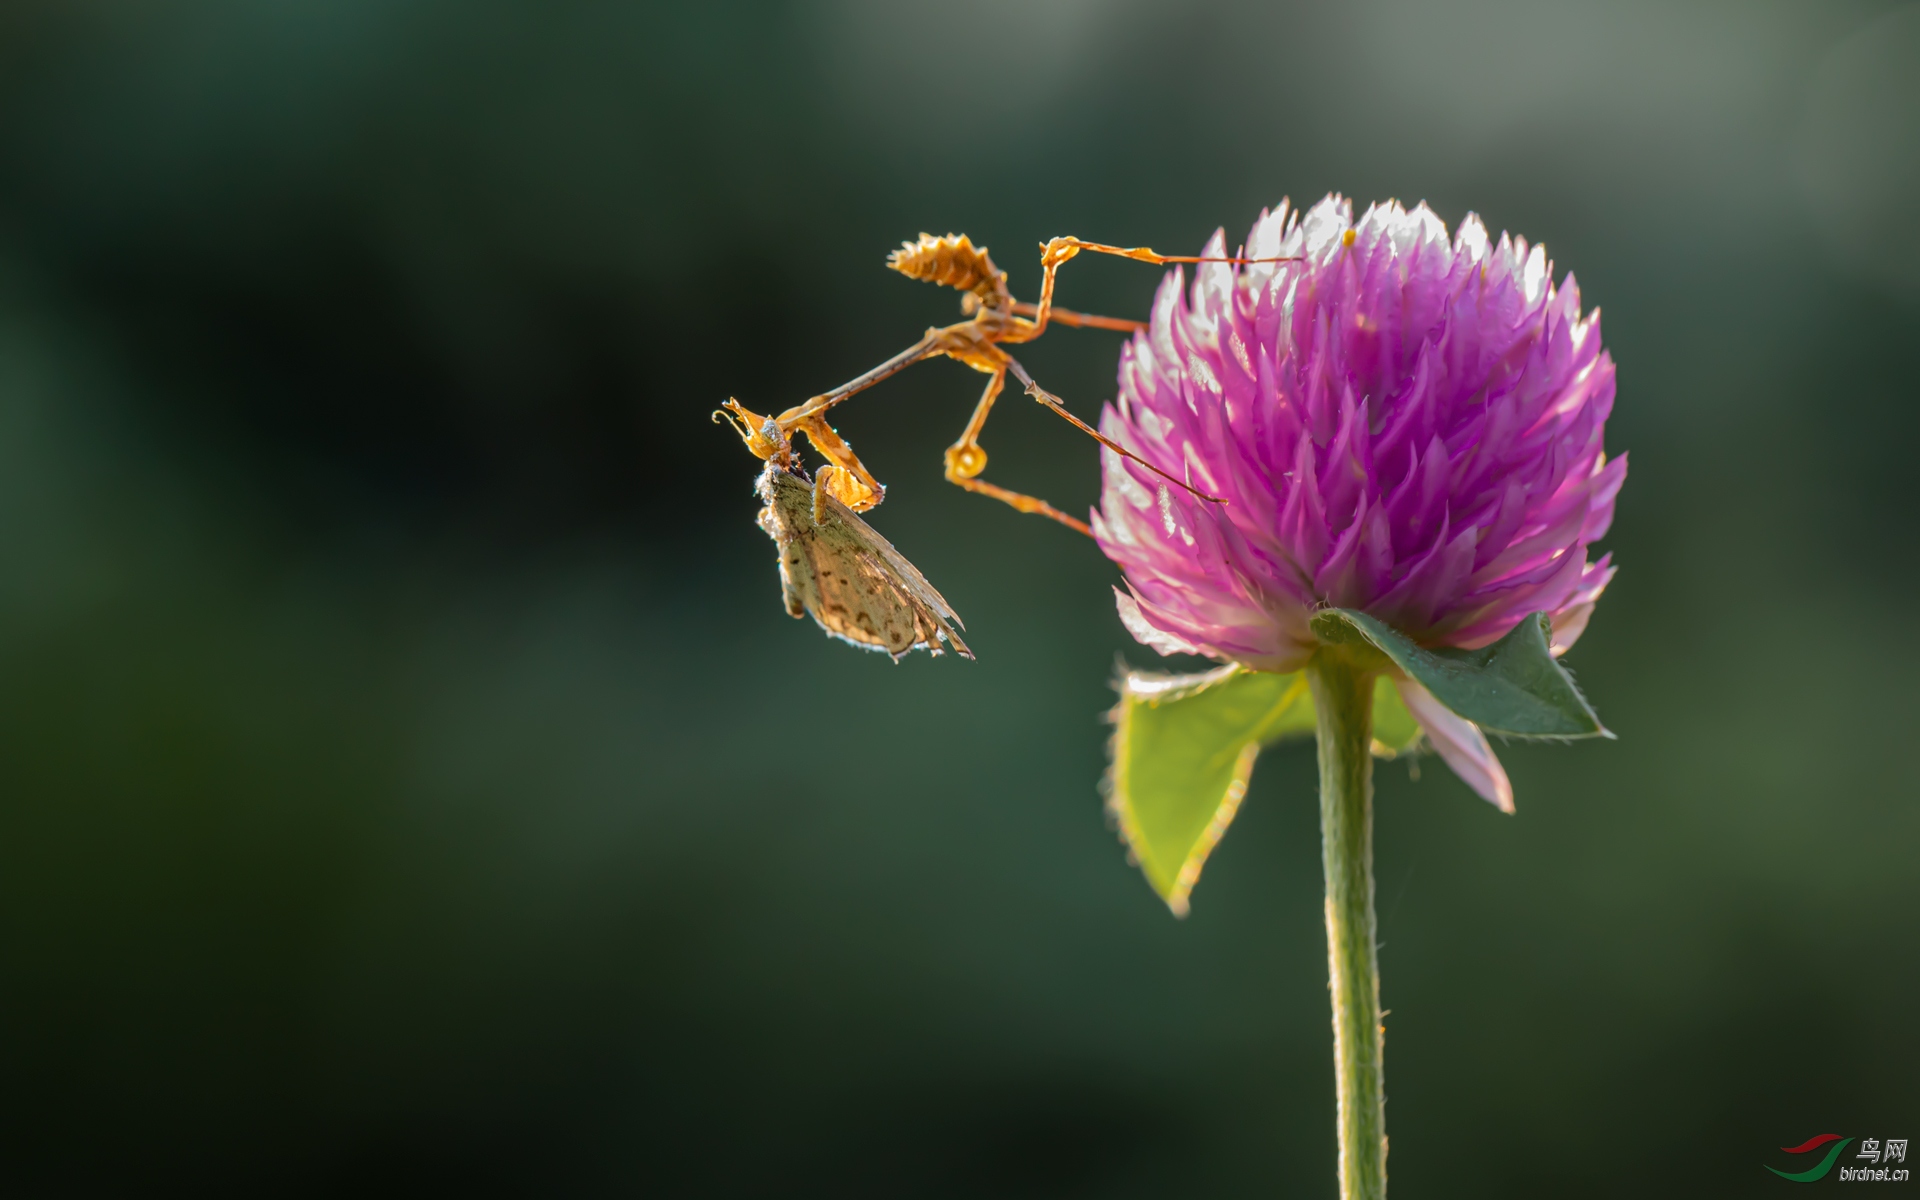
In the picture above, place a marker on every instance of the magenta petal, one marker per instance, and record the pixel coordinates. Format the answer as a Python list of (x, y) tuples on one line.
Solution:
[(1568, 624), (1144, 632), (1460, 744)]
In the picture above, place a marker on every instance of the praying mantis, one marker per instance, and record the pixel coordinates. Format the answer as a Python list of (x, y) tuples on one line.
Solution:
[(995, 321)]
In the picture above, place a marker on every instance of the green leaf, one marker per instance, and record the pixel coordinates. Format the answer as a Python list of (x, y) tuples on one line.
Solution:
[(1183, 750), (1513, 686)]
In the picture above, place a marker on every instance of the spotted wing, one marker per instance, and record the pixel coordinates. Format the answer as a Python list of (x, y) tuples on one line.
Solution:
[(851, 580)]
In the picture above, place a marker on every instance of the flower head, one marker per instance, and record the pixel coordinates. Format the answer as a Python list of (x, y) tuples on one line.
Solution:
[(1399, 424)]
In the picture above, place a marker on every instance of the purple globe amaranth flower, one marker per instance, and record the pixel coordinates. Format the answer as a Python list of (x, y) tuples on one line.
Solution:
[(1399, 424)]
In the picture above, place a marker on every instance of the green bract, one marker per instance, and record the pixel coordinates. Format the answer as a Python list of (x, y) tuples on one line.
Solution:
[(1184, 746), (1513, 687), (1183, 750)]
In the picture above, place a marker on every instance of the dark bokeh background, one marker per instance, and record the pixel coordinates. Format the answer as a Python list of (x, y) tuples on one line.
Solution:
[(409, 780)]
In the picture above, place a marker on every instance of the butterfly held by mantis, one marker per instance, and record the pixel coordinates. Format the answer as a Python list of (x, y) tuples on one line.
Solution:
[(838, 568)]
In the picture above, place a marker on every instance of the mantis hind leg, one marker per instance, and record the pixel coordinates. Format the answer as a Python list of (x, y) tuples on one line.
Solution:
[(966, 458)]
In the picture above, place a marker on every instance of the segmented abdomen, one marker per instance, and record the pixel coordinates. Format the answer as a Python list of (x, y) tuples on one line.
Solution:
[(954, 262)]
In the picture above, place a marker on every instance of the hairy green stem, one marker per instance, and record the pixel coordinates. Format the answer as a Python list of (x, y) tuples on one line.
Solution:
[(1343, 705)]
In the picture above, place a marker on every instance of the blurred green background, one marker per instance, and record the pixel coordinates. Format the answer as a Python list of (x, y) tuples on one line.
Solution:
[(410, 782)]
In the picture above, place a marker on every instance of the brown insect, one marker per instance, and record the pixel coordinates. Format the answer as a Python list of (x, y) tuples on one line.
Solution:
[(838, 569), (996, 320)]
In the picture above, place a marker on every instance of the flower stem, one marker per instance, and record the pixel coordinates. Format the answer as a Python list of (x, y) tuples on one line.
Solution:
[(1343, 705)]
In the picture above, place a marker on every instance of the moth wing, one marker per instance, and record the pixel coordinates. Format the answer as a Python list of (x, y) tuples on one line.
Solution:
[(862, 601), (896, 563), (854, 583), (777, 518)]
